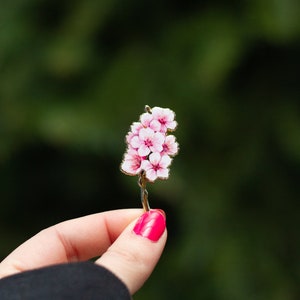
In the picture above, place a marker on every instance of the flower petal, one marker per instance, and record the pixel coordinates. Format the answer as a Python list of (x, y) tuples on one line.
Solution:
[(165, 161), (155, 125), (143, 150), (135, 142), (146, 118), (172, 125), (151, 175), (146, 133), (154, 158), (163, 173)]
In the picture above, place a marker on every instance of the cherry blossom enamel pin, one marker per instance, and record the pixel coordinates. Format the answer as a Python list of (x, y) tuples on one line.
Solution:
[(150, 148)]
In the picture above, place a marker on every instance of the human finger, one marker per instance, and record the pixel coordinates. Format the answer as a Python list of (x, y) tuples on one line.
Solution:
[(134, 254), (74, 240)]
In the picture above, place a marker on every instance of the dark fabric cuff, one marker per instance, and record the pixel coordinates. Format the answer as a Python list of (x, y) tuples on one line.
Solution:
[(82, 280)]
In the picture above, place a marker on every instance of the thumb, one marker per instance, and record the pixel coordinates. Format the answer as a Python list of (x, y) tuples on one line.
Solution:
[(133, 256)]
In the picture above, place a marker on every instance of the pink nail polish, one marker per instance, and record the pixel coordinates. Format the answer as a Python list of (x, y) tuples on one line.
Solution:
[(151, 225)]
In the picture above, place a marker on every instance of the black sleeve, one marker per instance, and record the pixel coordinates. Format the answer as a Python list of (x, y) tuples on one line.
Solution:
[(83, 280)]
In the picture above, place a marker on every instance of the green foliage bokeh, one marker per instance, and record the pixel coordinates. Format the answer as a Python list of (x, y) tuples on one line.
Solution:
[(75, 75)]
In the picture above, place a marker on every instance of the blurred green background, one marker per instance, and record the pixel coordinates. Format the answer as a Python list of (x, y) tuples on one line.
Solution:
[(75, 74)]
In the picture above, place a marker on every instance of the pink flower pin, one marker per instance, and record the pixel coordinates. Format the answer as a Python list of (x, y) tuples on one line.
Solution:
[(150, 148)]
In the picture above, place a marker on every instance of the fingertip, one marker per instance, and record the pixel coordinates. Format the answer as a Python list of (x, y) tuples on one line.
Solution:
[(133, 256), (160, 211), (151, 225)]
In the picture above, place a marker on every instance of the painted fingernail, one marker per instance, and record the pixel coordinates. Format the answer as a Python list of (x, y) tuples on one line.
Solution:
[(151, 225)]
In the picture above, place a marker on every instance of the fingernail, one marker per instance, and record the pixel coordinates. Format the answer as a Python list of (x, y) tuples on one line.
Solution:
[(151, 225)]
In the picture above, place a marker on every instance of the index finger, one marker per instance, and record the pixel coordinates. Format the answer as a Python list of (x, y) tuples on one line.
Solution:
[(74, 240)]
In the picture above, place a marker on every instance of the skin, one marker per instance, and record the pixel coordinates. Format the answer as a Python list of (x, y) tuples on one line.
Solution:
[(110, 235)]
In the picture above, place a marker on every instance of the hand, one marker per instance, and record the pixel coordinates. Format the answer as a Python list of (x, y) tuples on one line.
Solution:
[(129, 246)]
